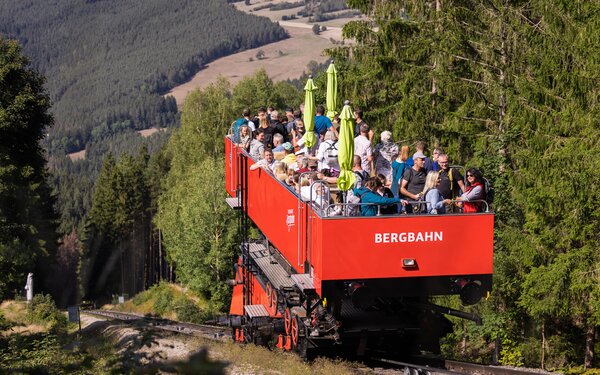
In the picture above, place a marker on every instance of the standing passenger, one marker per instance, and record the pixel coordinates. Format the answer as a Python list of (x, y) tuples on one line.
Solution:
[(384, 153), (257, 145), (413, 181), (362, 148), (451, 181)]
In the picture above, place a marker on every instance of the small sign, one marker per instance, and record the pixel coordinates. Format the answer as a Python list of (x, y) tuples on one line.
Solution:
[(73, 314), (290, 219)]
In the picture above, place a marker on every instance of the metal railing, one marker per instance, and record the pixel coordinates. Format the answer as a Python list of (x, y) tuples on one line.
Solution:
[(347, 209)]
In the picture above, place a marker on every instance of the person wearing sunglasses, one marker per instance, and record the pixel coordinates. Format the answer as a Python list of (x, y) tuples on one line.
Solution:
[(474, 192)]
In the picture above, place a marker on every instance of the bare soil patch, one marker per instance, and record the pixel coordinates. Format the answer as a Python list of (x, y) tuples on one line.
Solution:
[(148, 132), (286, 59), (79, 155)]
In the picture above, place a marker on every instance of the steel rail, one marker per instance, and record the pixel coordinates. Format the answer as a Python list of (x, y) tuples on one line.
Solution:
[(211, 332)]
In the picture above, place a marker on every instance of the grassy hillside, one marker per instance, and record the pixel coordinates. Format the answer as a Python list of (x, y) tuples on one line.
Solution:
[(107, 61)]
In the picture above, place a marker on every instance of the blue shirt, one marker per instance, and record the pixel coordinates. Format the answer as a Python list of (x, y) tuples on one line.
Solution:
[(322, 123)]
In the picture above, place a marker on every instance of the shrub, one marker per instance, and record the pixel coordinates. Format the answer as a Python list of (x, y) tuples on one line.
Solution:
[(4, 324), (164, 298), (42, 310), (188, 311)]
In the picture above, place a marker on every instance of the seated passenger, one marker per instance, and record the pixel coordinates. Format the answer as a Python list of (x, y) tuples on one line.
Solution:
[(473, 191), (368, 194), (267, 161), (257, 147), (385, 191), (436, 204), (290, 157), (291, 177), (280, 170), (315, 191)]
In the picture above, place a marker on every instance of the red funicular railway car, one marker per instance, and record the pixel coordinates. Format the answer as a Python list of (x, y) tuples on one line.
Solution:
[(317, 280)]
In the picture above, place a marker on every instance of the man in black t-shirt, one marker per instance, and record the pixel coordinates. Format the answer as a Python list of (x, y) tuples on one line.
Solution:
[(413, 181), (451, 181)]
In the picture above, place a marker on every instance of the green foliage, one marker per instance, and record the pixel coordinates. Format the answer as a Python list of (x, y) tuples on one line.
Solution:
[(512, 89), (27, 220), (4, 324), (42, 310), (165, 300), (116, 233), (199, 228), (188, 311)]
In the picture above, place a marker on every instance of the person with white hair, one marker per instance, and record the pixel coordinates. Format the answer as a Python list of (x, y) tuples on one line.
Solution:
[(327, 154), (385, 152)]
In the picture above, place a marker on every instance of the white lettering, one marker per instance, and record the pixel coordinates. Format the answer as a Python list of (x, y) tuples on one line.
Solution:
[(392, 237)]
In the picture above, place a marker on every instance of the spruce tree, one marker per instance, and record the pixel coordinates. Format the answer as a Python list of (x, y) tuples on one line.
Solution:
[(27, 219)]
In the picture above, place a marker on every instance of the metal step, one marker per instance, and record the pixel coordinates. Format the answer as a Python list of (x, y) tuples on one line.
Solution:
[(233, 203), (256, 311), (304, 282), (274, 272)]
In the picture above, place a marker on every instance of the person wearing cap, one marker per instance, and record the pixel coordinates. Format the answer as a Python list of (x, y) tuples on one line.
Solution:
[(422, 147), (290, 157), (413, 181)]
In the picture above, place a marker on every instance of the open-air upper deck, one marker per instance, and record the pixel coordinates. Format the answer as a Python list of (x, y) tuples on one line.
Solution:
[(353, 247)]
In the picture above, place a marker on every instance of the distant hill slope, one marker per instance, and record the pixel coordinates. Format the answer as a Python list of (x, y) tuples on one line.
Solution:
[(107, 61)]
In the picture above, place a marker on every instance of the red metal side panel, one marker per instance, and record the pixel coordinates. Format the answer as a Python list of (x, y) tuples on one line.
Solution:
[(363, 248), (237, 301), (231, 155), (274, 209)]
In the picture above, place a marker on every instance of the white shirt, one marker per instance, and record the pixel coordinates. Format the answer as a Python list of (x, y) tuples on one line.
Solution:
[(362, 148)]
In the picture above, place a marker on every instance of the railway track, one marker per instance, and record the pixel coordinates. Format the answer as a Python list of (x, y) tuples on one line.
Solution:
[(219, 333), (384, 366)]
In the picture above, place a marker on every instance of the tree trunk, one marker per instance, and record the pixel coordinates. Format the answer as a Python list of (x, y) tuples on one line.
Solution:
[(590, 334), (543, 352)]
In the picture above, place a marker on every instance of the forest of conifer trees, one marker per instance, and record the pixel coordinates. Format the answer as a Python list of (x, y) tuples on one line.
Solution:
[(510, 87)]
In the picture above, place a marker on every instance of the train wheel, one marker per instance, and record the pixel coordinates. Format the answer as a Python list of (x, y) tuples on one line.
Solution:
[(299, 342), (287, 321)]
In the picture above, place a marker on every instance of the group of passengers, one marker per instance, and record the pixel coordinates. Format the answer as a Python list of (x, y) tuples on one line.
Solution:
[(388, 181)]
